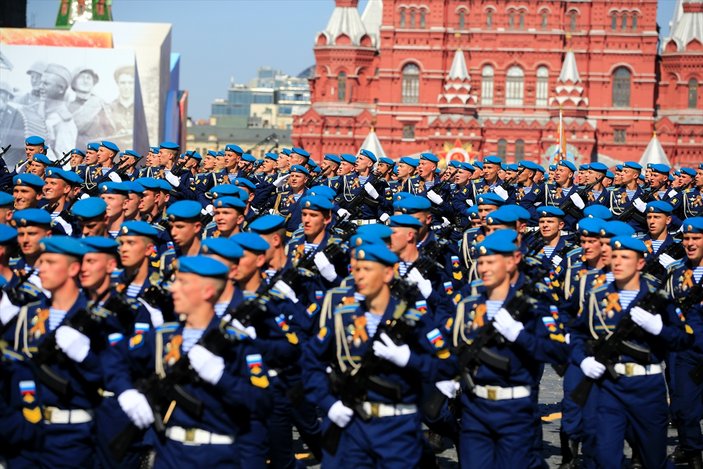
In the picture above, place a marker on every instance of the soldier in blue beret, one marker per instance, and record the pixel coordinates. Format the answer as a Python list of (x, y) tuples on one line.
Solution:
[(658, 240), (153, 200), (628, 201), (114, 195), (285, 200), (228, 217), (273, 229), (89, 215), (7, 203), (76, 160), (407, 180), (138, 241), (56, 191), (27, 190), (556, 246), (33, 226), (185, 229)]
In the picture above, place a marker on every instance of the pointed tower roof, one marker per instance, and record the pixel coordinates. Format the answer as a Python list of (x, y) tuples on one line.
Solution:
[(373, 144), (345, 20), (569, 71), (654, 153), (569, 89), (457, 85), (372, 17), (687, 24), (458, 70)]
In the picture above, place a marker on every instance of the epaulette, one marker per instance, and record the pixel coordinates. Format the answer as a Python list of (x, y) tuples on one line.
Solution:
[(675, 265), (167, 327), (10, 355), (235, 332), (574, 252), (12, 263), (158, 227), (115, 274), (210, 225), (346, 305), (276, 293), (476, 283), (471, 299), (599, 289)]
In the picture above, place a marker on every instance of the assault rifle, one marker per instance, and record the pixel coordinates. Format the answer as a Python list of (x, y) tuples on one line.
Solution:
[(654, 268), (631, 212), (117, 169), (4, 150), (62, 161), (569, 206)]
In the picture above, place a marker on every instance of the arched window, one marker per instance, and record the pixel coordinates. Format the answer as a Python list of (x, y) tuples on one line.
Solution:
[(341, 86), (402, 17), (511, 20), (487, 85), (614, 21), (514, 86), (462, 19), (412, 18), (634, 21), (489, 19), (623, 21), (423, 19), (544, 21), (411, 84), (502, 147), (521, 20), (692, 93), (519, 150), (573, 17), (542, 93), (621, 87)]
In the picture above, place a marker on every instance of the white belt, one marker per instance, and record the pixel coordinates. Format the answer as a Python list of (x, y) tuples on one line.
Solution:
[(378, 409), (360, 221), (635, 369), (56, 415), (496, 393), (196, 436)]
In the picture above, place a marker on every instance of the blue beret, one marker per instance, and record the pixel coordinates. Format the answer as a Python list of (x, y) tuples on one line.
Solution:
[(467, 167), (31, 217), (660, 168), (505, 215), (692, 225), (131, 153), (315, 202), (628, 243), (529, 165), (110, 146), (598, 211), (522, 213), (267, 224), (492, 159), (609, 174), (454, 164), (386, 160), (271, 156), (63, 245), (250, 242), (151, 184), (490, 198), (212, 153), (700, 166), (498, 242), (100, 244), (113, 188), (193, 154), (478, 164), (368, 154), (57, 173), (93, 146), (138, 228), (405, 220), (358, 240), (410, 161), (6, 199), (77, 151), (324, 191), (133, 187), (375, 253), (73, 178), (375, 230), (222, 190), (504, 166), (619, 167), (300, 151), (224, 247), (412, 204), (154, 149), (285, 151), (41, 158), (332, 157), (91, 207), (512, 167), (472, 212), (169, 146), (28, 179), (633, 165), (8, 235), (163, 185), (584, 167), (689, 171), (549, 211), (234, 148), (431, 157), (245, 183), (660, 206), (614, 228), (229, 201), (203, 266), (590, 226), (248, 157), (34, 140), (348, 158), (567, 164), (599, 167), (552, 167), (296, 168), (187, 210)]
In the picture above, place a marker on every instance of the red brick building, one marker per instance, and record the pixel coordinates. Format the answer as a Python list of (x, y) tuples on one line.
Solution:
[(489, 77)]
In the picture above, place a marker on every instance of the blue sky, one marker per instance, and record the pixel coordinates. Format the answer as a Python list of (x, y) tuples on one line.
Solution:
[(219, 39)]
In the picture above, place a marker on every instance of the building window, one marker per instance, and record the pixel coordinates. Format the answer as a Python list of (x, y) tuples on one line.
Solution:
[(502, 146), (422, 19), (511, 20), (409, 132), (692, 93), (514, 86), (614, 21), (573, 16), (634, 21), (411, 84), (519, 150), (542, 86), (412, 18), (623, 22), (402, 17), (621, 87), (462, 19), (341, 86), (521, 20), (544, 19), (487, 85), (489, 19), (619, 136)]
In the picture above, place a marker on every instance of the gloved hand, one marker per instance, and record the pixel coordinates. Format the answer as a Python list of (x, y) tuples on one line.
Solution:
[(71, 342), (114, 177), (556, 260), (506, 325), (424, 285), (84, 196), (651, 323), (384, 217), (137, 408), (208, 365), (501, 192), (249, 330), (209, 210), (341, 213), (7, 310), (434, 197), (448, 388), (639, 205), (368, 187), (340, 414), (577, 200), (172, 179), (284, 288), (325, 266), (19, 167), (281, 180), (666, 260), (385, 348), (591, 368)]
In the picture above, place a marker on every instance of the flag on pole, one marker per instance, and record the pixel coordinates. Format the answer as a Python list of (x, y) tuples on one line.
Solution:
[(561, 151)]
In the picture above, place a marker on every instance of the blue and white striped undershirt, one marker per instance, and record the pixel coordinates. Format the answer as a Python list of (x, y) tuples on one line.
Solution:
[(548, 251), (372, 322), (429, 184), (626, 297), (363, 179), (492, 307), (190, 338), (697, 274), (609, 277), (630, 193), (656, 245), (220, 308), (309, 247), (596, 194), (133, 290), (403, 267), (113, 234), (55, 317)]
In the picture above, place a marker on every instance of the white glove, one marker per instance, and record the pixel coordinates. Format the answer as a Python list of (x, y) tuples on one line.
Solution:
[(71, 342), (445, 222), (84, 196), (501, 192), (281, 180), (19, 167), (651, 323), (567, 339), (424, 285), (666, 260), (208, 365), (114, 177), (591, 368), (209, 209), (325, 267), (284, 288), (435, 198), (639, 205), (172, 179), (506, 325), (385, 348), (577, 200), (7, 309), (368, 187), (250, 330), (137, 408), (384, 217), (341, 213), (340, 414), (448, 388), (469, 202), (556, 260)]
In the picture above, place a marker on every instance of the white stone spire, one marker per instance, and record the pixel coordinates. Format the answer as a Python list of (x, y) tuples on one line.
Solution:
[(373, 144), (345, 20), (372, 17), (569, 89), (654, 153), (457, 85)]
